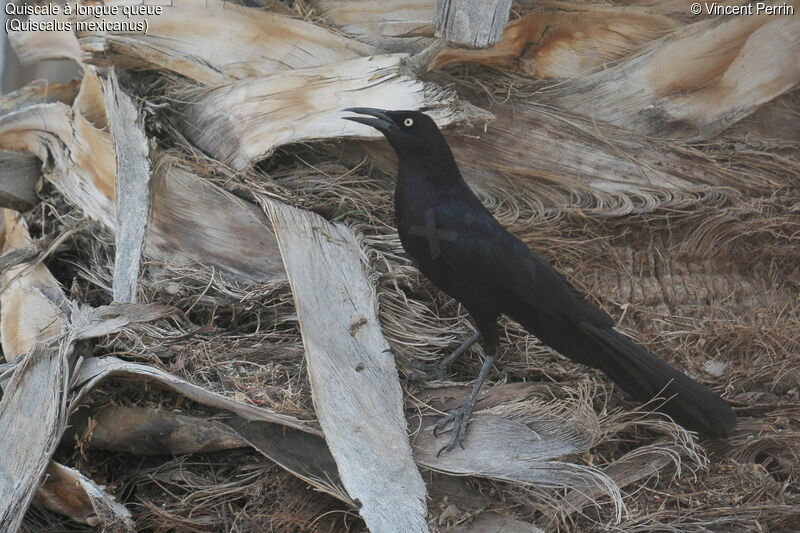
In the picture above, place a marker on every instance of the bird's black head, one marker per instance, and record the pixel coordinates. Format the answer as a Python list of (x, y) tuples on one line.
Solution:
[(414, 136)]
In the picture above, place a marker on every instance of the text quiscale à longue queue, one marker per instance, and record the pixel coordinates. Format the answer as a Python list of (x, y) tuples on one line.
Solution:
[(93, 12)]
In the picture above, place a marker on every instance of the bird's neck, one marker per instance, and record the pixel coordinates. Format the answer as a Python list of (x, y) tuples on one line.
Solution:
[(436, 166)]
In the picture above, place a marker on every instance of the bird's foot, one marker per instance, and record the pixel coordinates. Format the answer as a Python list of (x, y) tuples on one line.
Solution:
[(460, 419), (436, 371), (421, 372)]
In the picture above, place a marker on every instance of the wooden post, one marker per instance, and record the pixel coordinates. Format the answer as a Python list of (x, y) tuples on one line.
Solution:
[(471, 23)]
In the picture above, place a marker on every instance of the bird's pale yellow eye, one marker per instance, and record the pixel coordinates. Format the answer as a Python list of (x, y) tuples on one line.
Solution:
[(408, 122)]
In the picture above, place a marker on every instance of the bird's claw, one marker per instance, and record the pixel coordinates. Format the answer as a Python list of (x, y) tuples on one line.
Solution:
[(421, 371), (433, 372), (460, 422)]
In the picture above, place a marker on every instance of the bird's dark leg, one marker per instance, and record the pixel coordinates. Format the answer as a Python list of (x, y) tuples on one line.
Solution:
[(460, 417), (439, 370)]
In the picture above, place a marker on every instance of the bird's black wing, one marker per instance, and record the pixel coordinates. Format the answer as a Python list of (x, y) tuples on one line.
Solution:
[(477, 246), (482, 250)]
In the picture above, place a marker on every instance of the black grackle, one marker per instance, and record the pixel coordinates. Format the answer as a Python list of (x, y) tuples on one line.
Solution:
[(461, 247)]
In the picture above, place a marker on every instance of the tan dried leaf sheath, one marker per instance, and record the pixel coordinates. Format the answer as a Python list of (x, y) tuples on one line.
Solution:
[(566, 40), (190, 220), (34, 322), (242, 122), (696, 81)]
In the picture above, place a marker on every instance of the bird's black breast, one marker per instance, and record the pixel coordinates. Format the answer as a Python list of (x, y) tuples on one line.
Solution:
[(465, 251), (434, 243)]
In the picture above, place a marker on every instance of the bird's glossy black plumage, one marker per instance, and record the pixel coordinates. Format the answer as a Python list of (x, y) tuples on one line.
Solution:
[(460, 246)]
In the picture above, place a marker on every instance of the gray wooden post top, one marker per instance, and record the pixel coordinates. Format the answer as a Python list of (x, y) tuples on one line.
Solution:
[(471, 23)]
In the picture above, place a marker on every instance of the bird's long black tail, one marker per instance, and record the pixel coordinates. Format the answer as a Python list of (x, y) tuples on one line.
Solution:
[(637, 372), (645, 376)]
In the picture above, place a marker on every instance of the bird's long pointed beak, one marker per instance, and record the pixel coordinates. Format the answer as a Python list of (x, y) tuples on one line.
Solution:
[(382, 122)]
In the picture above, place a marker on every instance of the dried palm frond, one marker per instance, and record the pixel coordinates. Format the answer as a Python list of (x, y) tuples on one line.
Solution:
[(243, 122), (694, 82), (567, 40), (78, 151)]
